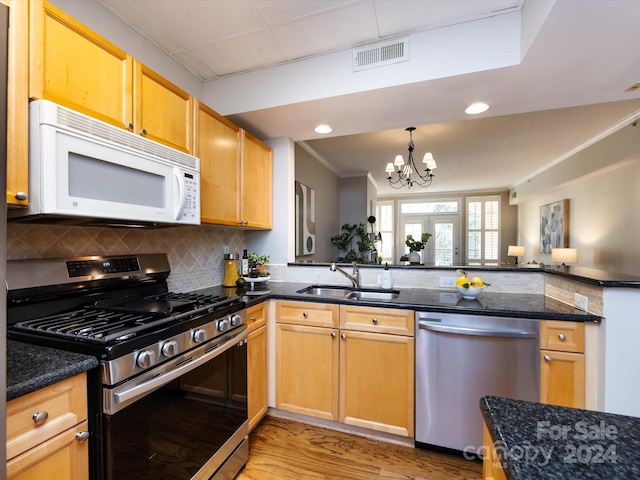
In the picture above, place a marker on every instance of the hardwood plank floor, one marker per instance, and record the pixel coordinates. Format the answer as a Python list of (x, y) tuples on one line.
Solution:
[(286, 449)]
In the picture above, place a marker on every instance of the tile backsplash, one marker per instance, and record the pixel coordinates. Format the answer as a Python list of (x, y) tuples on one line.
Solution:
[(195, 252)]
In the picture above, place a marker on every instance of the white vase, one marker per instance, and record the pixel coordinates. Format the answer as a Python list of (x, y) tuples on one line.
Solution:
[(414, 257)]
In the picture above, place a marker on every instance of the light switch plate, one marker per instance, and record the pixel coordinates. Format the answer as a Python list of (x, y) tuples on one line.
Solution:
[(580, 301)]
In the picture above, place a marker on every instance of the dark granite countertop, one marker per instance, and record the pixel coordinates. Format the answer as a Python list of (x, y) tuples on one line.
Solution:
[(418, 299), (32, 367), (538, 441)]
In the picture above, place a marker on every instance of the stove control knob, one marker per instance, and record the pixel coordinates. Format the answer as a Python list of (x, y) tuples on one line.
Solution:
[(145, 359), (236, 320), (223, 325), (200, 335), (170, 348)]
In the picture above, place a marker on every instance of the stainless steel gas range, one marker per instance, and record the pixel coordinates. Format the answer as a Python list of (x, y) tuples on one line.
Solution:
[(170, 397)]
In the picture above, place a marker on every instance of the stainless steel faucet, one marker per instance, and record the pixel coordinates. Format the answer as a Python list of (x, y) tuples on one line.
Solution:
[(355, 277)]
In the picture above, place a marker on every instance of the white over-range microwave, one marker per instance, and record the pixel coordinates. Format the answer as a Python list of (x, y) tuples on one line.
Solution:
[(85, 171)]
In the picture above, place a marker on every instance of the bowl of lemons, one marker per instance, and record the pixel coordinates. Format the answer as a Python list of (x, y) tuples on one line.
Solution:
[(470, 289)]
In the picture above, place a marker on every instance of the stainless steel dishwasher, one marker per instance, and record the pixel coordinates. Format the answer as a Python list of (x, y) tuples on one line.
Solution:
[(459, 359)]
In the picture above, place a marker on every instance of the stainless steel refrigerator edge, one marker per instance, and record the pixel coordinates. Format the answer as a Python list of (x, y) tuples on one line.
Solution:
[(461, 358), (4, 27)]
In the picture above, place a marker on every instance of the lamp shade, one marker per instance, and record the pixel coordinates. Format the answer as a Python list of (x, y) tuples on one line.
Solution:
[(564, 255), (515, 251)]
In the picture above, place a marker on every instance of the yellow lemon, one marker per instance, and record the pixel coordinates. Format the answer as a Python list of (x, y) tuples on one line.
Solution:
[(461, 281), (476, 282)]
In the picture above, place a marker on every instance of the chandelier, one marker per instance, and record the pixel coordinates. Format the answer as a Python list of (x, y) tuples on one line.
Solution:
[(405, 171)]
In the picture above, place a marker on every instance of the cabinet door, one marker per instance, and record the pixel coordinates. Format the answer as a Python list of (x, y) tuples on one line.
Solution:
[(562, 336), (75, 67), (308, 313), (257, 375), (307, 370), (491, 466), (63, 457), (218, 147), (562, 380), (377, 320), (18, 104), (256, 181), (377, 382), (162, 111)]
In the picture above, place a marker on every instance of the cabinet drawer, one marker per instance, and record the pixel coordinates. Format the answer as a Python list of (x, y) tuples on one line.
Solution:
[(562, 336), (65, 404), (379, 320), (256, 316), (306, 313)]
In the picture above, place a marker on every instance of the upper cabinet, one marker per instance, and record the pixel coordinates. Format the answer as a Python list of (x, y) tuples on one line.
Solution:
[(73, 66), (235, 173), (18, 104)]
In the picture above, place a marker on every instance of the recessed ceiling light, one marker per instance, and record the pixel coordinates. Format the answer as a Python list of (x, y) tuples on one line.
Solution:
[(323, 129), (476, 108)]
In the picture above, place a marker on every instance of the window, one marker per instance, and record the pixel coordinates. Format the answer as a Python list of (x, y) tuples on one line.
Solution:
[(384, 220), (483, 230)]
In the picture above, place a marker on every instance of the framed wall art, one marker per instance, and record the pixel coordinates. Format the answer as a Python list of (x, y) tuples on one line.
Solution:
[(554, 226), (305, 220)]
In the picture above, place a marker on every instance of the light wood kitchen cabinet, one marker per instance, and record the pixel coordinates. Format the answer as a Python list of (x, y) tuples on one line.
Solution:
[(360, 374), (256, 183), (75, 67), (47, 432), (307, 355), (491, 466), (377, 369), (18, 104), (235, 173), (562, 363), (257, 402)]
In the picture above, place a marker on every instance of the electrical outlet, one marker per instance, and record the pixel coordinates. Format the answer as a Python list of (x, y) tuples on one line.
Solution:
[(448, 282), (580, 301), (225, 249)]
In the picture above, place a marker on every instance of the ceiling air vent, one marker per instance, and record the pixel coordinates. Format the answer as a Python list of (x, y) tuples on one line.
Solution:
[(384, 53)]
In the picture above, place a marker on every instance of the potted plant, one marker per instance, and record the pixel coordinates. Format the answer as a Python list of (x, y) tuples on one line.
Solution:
[(416, 246), (258, 265)]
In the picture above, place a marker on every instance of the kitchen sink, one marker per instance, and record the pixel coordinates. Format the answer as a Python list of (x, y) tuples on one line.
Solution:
[(325, 291), (350, 293), (383, 296)]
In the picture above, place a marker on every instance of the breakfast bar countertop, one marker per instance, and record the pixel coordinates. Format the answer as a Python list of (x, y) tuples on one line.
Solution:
[(539, 441)]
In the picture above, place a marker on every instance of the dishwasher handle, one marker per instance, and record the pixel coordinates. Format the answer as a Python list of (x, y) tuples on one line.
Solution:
[(483, 332)]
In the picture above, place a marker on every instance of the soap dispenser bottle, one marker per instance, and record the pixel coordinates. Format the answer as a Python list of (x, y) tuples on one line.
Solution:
[(387, 278)]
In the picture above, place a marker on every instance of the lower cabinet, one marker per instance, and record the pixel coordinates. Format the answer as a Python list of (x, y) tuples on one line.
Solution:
[(562, 363), (491, 466), (257, 401), (47, 433), (347, 363)]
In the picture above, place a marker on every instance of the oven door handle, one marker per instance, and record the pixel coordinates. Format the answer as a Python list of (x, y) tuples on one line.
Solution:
[(187, 362)]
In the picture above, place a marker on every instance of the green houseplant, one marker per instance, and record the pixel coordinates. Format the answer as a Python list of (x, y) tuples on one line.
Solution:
[(416, 246), (355, 244), (258, 265)]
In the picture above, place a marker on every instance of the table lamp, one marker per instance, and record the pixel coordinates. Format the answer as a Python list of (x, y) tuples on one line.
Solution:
[(515, 251), (564, 255)]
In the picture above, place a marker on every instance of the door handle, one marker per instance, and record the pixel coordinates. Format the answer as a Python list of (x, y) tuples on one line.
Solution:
[(483, 332)]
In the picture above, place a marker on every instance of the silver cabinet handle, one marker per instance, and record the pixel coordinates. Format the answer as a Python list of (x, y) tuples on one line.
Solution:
[(305, 314), (333, 334), (21, 196), (82, 437), (254, 318), (374, 320), (547, 358), (40, 417), (143, 132), (129, 126), (343, 336), (562, 337)]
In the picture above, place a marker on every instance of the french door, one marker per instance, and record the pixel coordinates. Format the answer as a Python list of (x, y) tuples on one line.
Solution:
[(443, 248)]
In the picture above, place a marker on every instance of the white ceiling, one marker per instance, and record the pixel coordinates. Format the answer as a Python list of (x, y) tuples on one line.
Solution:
[(567, 88)]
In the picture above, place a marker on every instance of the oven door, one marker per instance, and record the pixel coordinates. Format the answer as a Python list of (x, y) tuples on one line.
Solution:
[(182, 420)]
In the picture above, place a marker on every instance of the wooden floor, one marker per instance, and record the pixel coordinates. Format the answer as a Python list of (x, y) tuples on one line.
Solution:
[(285, 449)]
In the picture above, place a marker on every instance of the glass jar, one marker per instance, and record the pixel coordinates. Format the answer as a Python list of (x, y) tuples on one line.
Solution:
[(230, 270)]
